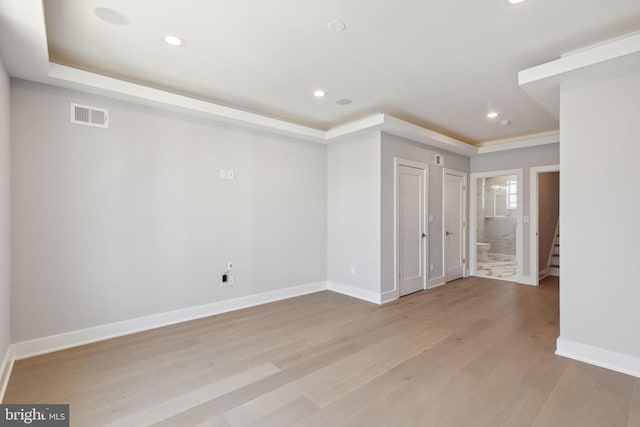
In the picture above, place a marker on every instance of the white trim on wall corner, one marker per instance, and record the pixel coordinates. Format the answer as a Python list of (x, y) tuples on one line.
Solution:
[(5, 371), (62, 341), (359, 293), (607, 359)]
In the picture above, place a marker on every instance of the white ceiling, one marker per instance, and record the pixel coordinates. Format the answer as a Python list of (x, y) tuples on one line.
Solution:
[(441, 64)]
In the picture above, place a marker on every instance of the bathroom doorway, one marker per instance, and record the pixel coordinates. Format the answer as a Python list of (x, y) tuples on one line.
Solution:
[(496, 230)]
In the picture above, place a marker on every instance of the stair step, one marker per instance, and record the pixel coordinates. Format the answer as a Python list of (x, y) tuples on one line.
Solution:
[(555, 265)]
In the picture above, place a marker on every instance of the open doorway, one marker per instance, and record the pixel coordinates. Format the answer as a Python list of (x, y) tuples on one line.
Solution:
[(545, 224), (496, 219)]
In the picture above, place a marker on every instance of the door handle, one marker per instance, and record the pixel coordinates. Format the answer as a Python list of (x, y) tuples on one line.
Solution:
[(424, 235), (449, 233)]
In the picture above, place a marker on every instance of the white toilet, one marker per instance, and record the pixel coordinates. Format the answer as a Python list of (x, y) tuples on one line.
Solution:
[(482, 249)]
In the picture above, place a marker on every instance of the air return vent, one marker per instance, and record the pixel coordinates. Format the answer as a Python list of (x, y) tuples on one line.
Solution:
[(89, 116)]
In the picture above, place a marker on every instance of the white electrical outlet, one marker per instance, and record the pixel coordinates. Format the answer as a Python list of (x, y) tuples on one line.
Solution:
[(229, 265), (229, 173), (223, 174), (230, 280)]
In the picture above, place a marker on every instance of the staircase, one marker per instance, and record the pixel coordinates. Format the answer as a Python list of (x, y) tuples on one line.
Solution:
[(554, 255)]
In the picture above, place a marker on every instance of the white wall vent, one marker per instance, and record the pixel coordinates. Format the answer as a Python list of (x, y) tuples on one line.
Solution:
[(89, 116)]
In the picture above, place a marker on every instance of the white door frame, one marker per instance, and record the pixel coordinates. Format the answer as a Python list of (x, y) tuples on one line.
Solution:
[(396, 167), (465, 266), (533, 212), (472, 218)]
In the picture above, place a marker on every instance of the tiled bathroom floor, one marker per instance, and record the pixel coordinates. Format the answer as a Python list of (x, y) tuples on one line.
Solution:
[(497, 267)]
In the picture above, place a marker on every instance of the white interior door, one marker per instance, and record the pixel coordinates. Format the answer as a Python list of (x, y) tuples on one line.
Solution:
[(411, 232), (454, 225)]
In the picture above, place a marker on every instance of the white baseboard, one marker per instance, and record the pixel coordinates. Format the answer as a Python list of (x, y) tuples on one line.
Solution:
[(5, 371), (527, 280), (544, 273), (52, 343), (355, 292), (436, 281), (388, 297), (608, 359)]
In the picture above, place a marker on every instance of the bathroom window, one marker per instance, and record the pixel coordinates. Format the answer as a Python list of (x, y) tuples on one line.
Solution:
[(512, 194), (500, 204)]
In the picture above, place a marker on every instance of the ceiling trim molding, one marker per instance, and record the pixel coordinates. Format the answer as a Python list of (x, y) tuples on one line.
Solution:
[(370, 123), (73, 78), (598, 62), (23, 43), (542, 138), (23, 38), (398, 127)]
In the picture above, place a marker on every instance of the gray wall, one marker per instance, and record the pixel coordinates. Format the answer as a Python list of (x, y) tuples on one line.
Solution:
[(394, 146), (113, 224), (354, 211), (525, 159), (5, 230), (548, 213), (600, 200)]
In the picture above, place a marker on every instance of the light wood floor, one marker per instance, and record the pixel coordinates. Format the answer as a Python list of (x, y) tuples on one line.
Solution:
[(476, 352)]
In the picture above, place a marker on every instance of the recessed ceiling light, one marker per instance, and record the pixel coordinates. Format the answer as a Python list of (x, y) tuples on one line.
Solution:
[(111, 16), (344, 101), (174, 41), (514, 2), (505, 122), (319, 93), (492, 115), (336, 26)]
